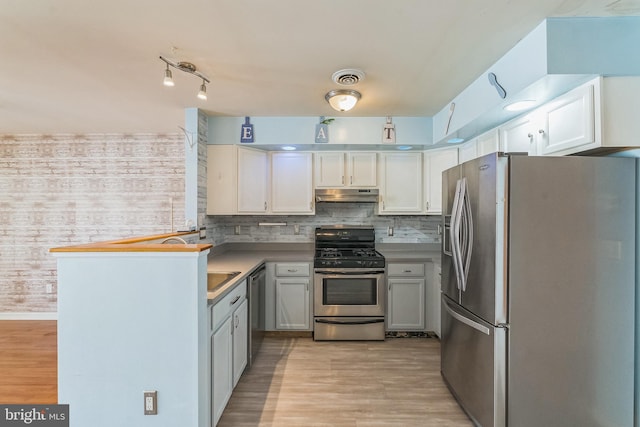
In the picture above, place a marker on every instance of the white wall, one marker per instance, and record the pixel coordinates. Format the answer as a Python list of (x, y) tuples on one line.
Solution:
[(130, 322)]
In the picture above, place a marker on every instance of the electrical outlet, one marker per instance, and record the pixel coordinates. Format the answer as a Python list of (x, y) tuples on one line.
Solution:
[(296, 228), (390, 231), (49, 288), (151, 402), (237, 229)]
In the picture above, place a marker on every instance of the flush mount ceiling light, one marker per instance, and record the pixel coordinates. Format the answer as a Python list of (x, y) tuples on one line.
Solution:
[(189, 68), (342, 99), (345, 99)]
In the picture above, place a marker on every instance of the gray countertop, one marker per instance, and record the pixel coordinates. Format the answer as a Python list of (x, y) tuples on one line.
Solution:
[(246, 257)]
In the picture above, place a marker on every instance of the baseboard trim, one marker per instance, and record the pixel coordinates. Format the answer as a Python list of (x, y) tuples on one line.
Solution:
[(30, 315)]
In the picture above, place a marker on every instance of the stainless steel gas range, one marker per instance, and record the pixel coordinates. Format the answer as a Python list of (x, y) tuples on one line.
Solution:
[(349, 296)]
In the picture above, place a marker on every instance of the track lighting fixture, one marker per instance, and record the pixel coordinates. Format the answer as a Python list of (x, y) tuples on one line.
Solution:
[(187, 67), (203, 91), (168, 78)]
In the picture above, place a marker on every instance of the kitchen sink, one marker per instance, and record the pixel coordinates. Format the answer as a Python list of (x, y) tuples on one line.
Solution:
[(216, 279)]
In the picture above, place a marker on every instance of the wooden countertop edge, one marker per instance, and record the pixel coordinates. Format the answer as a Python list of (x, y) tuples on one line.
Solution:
[(135, 244), (116, 247)]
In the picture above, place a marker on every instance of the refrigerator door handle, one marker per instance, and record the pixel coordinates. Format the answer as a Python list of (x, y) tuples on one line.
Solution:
[(467, 229), (456, 213), (459, 317)]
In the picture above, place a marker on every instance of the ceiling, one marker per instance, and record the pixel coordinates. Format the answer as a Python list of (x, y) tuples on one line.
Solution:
[(74, 66)]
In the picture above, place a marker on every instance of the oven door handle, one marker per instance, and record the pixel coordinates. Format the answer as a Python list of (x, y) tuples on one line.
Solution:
[(349, 322), (349, 272)]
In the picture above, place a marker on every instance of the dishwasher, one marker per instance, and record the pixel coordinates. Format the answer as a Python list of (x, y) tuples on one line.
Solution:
[(256, 287)]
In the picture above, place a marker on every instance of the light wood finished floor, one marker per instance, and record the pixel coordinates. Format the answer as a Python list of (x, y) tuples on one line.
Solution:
[(298, 382), (28, 362)]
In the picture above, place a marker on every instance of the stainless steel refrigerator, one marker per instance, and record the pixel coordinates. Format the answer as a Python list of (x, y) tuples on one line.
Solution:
[(538, 290)]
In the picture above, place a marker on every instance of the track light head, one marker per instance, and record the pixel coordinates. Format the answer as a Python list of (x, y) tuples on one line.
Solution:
[(203, 91), (168, 78)]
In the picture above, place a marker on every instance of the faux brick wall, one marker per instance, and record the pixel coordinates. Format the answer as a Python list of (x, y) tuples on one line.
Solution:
[(60, 190)]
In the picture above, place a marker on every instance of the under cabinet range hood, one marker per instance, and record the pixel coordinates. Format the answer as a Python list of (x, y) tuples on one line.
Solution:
[(347, 195)]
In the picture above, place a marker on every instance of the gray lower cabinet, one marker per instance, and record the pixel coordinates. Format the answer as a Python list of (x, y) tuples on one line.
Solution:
[(406, 297), (289, 298), (229, 335)]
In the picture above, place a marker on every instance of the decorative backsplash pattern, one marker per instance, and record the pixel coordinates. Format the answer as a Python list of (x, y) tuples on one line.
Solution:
[(406, 229), (60, 190)]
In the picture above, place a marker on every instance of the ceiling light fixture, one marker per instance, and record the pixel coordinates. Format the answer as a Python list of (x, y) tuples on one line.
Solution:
[(168, 78), (342, 99), (187, 67), (202, 94)]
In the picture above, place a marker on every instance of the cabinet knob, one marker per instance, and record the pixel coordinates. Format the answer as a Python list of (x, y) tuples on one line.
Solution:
[(541, 131), (530, 135)]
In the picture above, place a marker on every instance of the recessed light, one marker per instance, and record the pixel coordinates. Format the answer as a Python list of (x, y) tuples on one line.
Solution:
[(520, 105), (455, 140), (288, 147)]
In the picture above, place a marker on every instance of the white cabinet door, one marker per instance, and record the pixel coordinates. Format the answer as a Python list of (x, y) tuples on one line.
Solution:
[(362, 169), (406, 305), (329, 169), (433, 298), (400, 183), (252, 181), (488, 142), (240, 340), (568, 121), (519, 135), (435, 162), (292, 303), (222, 180), (222, 368), (467, 151), (332, 171), (292, 183)]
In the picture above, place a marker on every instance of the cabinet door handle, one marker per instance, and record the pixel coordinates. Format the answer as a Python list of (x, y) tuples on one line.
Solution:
[(351, 180), (292, 270), (265, 206), (407, 271), (235, 300), (427, 205), (342, 179)]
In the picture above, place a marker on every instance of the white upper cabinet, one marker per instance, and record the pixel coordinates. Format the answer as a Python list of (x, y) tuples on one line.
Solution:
[(519, 135), (400, 183), (488, 142), (339, 169), (435, 162), (222, 180), (292, 183), (569, 121), (468, 151), (362, 169), (252, 181)]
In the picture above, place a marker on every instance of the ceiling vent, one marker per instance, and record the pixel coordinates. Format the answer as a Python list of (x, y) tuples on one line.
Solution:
[(348, 76)]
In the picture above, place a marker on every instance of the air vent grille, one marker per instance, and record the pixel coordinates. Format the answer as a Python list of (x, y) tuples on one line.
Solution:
[(348, 77)]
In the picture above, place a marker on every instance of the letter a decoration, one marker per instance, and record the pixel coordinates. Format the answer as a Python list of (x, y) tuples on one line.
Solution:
[(322, 130), (246, 131)]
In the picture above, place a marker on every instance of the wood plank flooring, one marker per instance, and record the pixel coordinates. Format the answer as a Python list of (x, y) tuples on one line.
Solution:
[(28, 362), (294, 382), (299, 382)]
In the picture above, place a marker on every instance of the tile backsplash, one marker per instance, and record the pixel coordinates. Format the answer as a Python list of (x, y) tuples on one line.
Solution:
[(406, 229)]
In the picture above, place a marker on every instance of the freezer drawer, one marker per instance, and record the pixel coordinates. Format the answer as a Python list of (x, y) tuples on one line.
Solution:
[(474, 364)]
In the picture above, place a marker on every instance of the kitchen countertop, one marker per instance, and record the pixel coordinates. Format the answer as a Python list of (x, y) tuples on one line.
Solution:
[(246, 257)]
